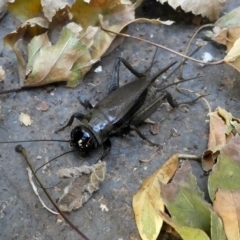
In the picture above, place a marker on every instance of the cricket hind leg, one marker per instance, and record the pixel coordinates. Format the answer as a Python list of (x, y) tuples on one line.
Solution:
[(141, 135), (114, 79), (174, 104)]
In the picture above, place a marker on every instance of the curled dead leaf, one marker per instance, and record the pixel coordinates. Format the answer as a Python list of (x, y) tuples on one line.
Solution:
[(233, 56), (81, 183), (220, 132), (227, 28)]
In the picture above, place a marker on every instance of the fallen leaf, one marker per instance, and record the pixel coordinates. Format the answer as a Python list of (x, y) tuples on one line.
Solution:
[(227, 206), (42, 106), (227, 28), (50, 8), (115, 15), (81, 183), (25, 119), (225, 173), (24, 10), (2, 74), (187, 233), (184, 200), (54, 63), (207, 8), (31, 27), (233, 56), (61, 64), (220, 132), (147, 202)]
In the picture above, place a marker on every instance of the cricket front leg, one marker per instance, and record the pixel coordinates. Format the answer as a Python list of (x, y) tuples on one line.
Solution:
[(76, 115)]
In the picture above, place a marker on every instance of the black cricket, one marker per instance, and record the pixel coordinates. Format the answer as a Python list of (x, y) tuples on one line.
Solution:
[(122, 110)]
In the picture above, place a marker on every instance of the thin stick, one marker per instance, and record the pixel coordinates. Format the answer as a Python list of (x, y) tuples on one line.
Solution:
[(190, 41), (30, 177), (189, 156), (182, 62), (163, 47), (22, 150), (38, 140)]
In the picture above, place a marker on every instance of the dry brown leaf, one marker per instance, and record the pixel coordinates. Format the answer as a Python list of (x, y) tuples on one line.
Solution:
[(233, 56), (227, 206), (207, 8), (147, 202), (220, 133), (52, 16), (115, 15), (82, 182), (227, 28), (25, 119), (50, 7), (31, 27)]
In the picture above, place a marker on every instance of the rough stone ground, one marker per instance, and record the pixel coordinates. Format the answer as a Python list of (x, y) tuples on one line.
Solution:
[(21, 214)]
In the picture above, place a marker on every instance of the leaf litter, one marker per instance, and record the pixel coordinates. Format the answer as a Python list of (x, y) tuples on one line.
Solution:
[(188, 212)]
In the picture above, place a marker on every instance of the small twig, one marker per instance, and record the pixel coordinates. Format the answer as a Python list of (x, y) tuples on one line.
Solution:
[(30, 176), (22, 150), (163, 47), (190, 41), (147, 160), (182, 62), (189, 156)]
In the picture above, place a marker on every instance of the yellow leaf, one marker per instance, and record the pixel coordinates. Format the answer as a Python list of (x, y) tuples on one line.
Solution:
[(147, 201), (25, 9)]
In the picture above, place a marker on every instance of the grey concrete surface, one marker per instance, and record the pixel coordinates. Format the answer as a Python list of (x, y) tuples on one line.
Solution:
[(21, 214)]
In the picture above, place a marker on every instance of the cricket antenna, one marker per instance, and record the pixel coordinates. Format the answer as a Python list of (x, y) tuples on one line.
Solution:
[(75, 150), (51, 161), (38, 140)]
